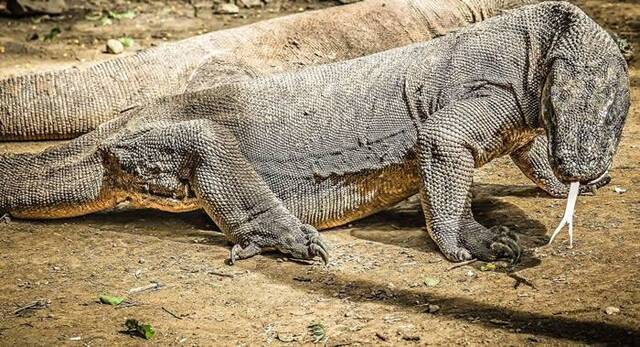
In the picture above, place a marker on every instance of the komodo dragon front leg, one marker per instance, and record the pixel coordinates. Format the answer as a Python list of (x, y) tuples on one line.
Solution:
[(451, 143), (533, 161)]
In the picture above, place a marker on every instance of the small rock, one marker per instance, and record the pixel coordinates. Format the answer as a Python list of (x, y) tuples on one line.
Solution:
[(285, 337), (226, 8), (114, 46), (346, 2), (251, 3), (141, 261), (34, 7), (611, 310), (433, 308), (619, 190)]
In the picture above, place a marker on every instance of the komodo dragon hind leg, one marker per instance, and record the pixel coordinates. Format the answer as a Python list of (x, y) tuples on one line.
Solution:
[(208, 156)]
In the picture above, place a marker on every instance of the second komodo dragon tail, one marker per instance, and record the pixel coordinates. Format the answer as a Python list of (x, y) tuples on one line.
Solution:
[(67, 103)]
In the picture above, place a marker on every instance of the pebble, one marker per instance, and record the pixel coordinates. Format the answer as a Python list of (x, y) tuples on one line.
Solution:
[(226, 8), (251, 3), (611, 310), (433, 308), (619, 190), (114, 47)]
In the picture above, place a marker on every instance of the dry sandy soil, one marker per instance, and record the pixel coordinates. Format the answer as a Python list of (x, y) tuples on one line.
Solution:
[(372, 292)]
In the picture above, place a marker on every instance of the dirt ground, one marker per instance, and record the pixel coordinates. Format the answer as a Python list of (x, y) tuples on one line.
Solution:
[(372, 292)]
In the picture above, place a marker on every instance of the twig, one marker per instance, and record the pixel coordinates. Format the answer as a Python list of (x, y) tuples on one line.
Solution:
[(171, 313), (302, 261), (152, 286), (221, 274), (36, 305), (521, 280), (127, 304), (457, 265)]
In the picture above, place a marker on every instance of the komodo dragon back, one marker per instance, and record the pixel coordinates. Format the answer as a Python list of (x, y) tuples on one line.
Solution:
[(64, 104)]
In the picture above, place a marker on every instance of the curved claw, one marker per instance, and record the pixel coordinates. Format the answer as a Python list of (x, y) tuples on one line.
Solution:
[(320, 242), (5, 218), (514, 251), (502, 249), (319, 248), (233, 253), (239, 252), (505, 244)]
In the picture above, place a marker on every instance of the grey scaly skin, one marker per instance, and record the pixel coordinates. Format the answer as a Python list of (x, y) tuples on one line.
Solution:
[(67, 103), (64, 104), (271, 157)]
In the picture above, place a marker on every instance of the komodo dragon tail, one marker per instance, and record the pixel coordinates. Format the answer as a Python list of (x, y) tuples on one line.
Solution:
[(62, 181), (67, 103)]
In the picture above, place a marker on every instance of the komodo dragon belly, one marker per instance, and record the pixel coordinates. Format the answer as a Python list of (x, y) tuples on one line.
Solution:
[(328, 202), (336, 200)]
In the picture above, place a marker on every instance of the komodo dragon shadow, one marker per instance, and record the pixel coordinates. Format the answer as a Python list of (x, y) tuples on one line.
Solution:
[(463, 309), (401, 225)]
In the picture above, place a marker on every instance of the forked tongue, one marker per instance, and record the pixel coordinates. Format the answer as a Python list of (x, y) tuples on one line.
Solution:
[(568, 213)]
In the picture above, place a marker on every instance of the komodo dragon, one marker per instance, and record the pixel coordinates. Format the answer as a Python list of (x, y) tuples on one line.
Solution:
[(65, 104), (273, 158)]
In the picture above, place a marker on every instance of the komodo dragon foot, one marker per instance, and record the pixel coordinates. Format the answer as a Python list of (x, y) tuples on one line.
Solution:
[(308, 246), (485, 244), (491, 244)]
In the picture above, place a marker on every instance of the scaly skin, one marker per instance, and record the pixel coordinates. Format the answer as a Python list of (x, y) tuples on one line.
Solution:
[(67, 103), (270, 157)]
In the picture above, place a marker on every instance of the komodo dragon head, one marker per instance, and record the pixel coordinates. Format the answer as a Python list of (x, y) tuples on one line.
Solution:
[(585, 101)]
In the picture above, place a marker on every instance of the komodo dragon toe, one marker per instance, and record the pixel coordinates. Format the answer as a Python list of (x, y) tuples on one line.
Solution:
[(305, 243), (478, 242), (491, 244)]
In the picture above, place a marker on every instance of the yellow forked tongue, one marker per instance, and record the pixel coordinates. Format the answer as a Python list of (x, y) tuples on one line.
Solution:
[(568, 213)]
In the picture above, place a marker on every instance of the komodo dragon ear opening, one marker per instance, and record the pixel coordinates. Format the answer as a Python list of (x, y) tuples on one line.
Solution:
[(624, 45)]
